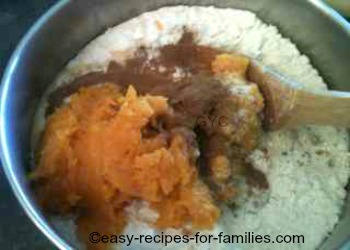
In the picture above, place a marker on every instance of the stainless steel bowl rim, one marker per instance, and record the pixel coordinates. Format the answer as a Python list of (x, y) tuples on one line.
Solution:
[(35, 217)]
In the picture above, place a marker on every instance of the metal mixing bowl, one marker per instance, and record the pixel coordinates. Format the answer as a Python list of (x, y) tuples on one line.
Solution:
[(57, 36)]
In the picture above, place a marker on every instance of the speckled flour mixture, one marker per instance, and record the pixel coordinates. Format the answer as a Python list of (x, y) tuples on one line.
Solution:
[(307, 168)]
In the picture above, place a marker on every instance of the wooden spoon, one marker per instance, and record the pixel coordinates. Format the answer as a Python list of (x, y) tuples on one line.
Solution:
[(288, 105)]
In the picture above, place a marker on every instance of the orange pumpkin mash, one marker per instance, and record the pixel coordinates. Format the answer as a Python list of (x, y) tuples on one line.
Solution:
[(95, 160)]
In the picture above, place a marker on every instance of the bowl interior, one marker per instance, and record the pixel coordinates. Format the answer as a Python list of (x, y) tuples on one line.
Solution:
[(69, 25)]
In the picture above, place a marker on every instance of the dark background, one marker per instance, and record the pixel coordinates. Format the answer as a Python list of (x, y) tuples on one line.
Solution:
[(16, 230)]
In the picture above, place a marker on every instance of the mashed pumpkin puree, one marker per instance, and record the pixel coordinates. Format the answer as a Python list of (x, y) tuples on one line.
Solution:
[(95, 158)]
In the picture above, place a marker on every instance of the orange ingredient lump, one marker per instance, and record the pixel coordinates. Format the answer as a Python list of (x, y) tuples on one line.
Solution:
[(95, 160)]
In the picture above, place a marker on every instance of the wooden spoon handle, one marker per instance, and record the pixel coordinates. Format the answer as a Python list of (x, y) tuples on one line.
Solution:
[(288, 105), (330, 108)]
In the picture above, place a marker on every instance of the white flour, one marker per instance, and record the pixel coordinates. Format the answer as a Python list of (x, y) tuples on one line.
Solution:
[(307, 168)]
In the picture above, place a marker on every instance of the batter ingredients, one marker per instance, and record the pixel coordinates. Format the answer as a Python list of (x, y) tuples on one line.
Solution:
[(306, 168)]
